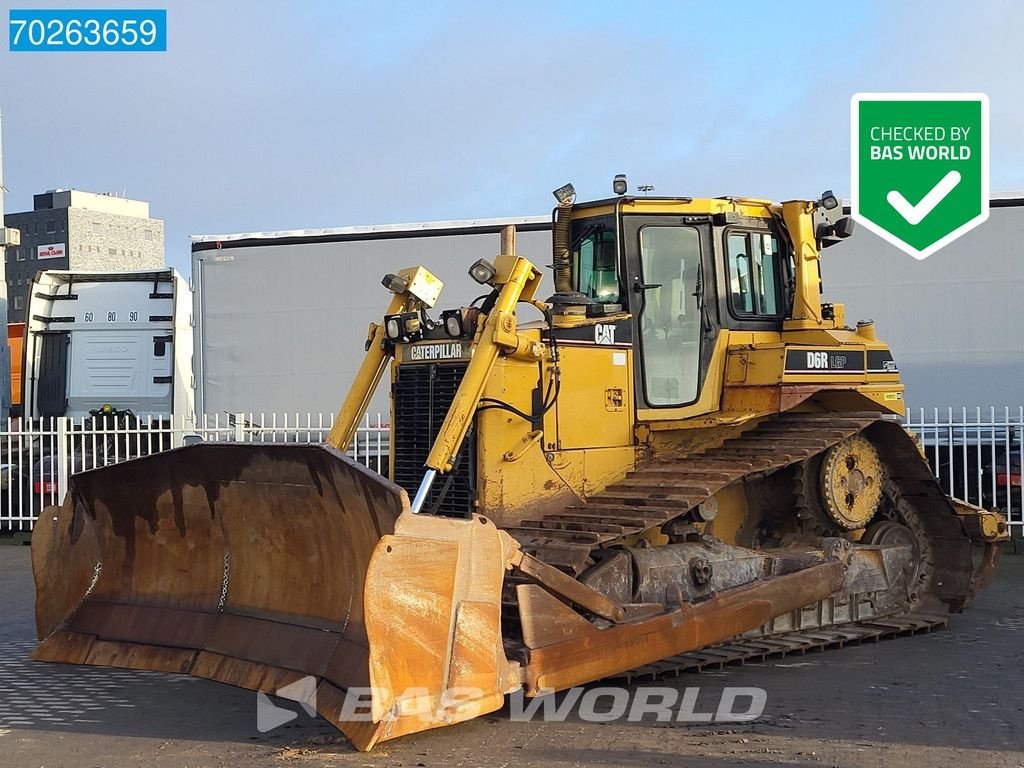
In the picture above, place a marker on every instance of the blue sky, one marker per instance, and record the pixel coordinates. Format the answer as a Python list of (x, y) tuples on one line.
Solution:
[(266, 115)]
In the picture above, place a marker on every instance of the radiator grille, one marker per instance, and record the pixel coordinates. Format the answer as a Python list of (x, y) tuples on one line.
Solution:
[(422, 394)]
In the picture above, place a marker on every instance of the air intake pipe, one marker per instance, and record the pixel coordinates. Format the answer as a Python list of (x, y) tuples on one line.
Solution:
[(565, 300), (562, 263)]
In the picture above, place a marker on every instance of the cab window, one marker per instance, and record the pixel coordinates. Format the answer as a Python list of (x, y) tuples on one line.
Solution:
[(755, 275), (595, 260)]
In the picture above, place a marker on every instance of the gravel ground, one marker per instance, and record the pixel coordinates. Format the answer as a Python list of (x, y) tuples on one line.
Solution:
[(953, 697)]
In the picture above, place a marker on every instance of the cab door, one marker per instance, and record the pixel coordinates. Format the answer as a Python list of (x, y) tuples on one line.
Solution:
[(666, 264), (52, 383)]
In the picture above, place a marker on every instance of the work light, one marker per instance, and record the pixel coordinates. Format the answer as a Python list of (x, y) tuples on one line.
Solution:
[(482, 271), (565, 193), (394, 283), (452, 319), (828, 200), (405, 327)]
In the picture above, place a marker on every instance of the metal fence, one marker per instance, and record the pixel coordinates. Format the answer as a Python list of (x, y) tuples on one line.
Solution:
[(975, 453), (38, 456)]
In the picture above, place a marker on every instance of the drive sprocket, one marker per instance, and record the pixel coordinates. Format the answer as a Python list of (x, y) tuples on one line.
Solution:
[(850, 482), (840, 489)]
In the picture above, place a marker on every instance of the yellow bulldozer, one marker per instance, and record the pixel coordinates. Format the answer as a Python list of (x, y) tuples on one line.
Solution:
[(682, 454)]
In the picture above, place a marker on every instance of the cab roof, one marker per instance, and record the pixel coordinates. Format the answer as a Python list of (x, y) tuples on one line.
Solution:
[(745, 206)]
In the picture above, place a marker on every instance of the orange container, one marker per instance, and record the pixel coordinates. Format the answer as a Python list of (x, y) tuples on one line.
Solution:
[(16, 343)]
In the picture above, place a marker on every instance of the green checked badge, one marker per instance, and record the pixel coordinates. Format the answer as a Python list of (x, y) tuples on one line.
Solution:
[(919, 166)]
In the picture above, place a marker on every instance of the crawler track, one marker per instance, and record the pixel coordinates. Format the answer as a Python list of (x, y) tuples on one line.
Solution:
[(670, 487), (788, 644)]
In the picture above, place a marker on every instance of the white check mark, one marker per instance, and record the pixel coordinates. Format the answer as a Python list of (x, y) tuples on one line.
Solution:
[(916, 213)]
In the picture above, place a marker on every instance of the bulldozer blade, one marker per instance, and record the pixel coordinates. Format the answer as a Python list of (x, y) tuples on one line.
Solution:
[(239, 563), (436, 650)]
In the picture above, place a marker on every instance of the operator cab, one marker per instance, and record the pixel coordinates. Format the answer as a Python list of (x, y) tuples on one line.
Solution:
[(683, 269)]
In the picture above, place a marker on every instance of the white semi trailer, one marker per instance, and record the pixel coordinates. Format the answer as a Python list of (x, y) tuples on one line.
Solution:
[(281, 317)]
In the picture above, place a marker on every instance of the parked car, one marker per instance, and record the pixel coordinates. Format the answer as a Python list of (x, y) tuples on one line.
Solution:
[(1007, 473), (45, 477), (12, 495)]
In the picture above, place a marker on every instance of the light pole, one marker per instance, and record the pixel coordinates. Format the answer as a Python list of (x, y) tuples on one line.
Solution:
[(7, 237)]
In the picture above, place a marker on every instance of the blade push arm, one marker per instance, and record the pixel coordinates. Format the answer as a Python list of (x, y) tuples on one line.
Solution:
[(518, 279), (413, 289), (367, 378)]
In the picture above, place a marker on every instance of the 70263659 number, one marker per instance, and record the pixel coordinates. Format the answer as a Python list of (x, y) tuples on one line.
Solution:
[(87, 30)]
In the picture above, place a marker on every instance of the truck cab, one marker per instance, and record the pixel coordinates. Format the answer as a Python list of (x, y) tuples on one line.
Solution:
[(120, 339)]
